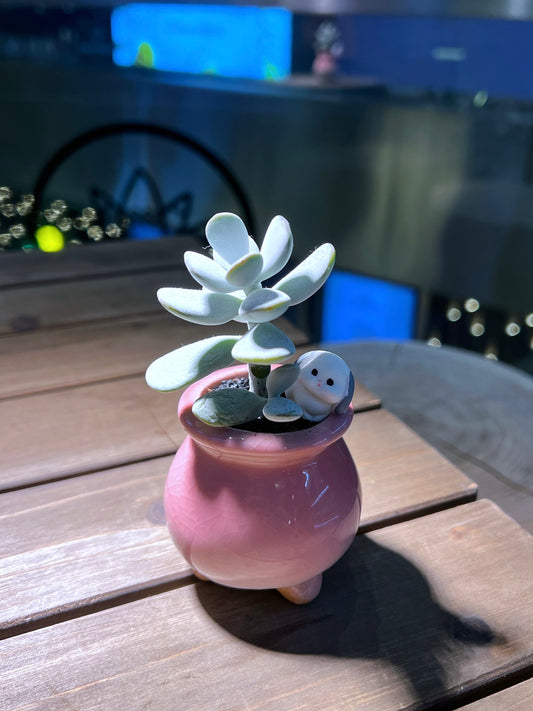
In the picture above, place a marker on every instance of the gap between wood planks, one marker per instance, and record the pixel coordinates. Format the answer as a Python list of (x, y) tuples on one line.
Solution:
[(87, 261), (96, 321), (86, 472), (482, 683), (485, 689), (111, 600), (90, 608), (73, 354), (75, 278)]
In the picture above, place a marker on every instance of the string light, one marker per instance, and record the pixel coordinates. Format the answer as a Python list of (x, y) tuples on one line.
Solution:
[(80, 223), (485, 330), (471, 305), (65, 224), (18, 213), (59, 206), (113, 230), (25, 205), (89, 214), (17, 231), (477, 328), (8, 209), (95, 233), (512, 329), (453, 314)]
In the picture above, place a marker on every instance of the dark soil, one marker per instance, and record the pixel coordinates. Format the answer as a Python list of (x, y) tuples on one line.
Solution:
[(243, 383), (261, 424)]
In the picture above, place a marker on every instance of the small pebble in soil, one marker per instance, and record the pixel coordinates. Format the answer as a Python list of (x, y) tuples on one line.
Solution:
[(242, 383)]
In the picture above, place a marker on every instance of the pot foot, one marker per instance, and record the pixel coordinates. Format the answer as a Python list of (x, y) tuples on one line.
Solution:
[(303, 592), (199, 575)]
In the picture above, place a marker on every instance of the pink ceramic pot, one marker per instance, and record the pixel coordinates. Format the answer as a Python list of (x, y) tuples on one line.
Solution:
[(261, 510)]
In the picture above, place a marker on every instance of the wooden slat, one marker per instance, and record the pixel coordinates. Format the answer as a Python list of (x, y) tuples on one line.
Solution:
[(402, 475), (517, 698), (85, 428), (476, 411), (80, 262), (79, 541), (91, 427), (407, 619), (364, 399), (58, 538), (68, 303), (46, 359)]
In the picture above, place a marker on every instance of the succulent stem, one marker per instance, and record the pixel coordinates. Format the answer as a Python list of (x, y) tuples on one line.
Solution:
[(258, 375)]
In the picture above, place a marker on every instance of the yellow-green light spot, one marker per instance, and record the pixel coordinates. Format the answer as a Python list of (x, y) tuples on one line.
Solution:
[(49, 238), (145, 56)]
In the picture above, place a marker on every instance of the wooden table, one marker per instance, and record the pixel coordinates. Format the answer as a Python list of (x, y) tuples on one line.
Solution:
[(475, 411), (429, 609)]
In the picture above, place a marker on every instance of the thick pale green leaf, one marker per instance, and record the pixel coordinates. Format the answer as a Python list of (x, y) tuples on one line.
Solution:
[(228, 407), (239, 293), (189, 363), (207, 273), (281, 409), (309, 275), (252, 246), (277, 247), (228, 236), (282, 378), (264, 305), (264, 344), (204, 307), (218, 260), (245, 271)]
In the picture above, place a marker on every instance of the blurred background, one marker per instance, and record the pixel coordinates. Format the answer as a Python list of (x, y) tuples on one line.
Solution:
[(401, 131)]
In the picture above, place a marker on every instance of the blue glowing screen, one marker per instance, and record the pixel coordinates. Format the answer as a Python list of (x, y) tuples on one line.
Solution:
[(232, 41), (357, 306)]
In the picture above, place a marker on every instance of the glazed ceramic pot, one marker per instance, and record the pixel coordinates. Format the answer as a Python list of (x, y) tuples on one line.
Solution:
[(261, 510)]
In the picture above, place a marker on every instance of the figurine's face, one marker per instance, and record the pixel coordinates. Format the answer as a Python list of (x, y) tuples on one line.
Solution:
[(326, 377)]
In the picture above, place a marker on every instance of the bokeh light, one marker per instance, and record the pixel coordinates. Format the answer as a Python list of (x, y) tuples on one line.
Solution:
[(50, 238)]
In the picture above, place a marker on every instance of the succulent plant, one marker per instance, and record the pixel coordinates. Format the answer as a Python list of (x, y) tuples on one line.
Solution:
[(231, 289)]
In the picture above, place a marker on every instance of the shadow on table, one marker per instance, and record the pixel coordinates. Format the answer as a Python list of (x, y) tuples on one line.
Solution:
[(374, 604)]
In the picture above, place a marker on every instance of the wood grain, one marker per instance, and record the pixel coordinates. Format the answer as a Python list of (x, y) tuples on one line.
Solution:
[(85, 428), (434, 609), (48, 359), (475, 411), (96, 537), (402, 623), (85, 261), (67, 303), (402, 476), (77, 542), (516, 698), (101, 425)]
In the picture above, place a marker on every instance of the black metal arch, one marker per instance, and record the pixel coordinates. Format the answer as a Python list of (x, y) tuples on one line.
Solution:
[(114, 129)]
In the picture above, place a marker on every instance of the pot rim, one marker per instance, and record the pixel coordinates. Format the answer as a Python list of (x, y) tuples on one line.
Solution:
[(317, 436)]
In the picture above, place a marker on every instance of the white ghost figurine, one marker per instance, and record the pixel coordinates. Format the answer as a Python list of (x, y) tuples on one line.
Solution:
[(324, 384)]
